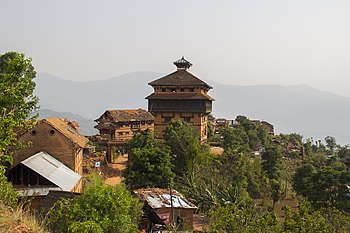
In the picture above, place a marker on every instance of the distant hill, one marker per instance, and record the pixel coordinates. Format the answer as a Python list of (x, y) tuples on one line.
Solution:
[(86, 125), (91, 99), (301, 109)]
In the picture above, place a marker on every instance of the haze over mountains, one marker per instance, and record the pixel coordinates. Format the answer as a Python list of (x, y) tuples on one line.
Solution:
[(301, 109)]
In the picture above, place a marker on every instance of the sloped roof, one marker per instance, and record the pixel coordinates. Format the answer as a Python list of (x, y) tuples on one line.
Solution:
[(63, 127), (127, 115), (179, 78), (179, 96), (160, 198), (53, 170)]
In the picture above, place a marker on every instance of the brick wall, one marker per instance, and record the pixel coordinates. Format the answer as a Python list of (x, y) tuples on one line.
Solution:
[(44, 137)]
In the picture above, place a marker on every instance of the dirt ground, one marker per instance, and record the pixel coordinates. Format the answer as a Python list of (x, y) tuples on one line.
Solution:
[(111, 173), (200, 222), (216, 150), (119, 165)]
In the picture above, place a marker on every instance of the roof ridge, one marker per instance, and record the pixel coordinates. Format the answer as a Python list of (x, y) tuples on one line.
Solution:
[(64, 133)]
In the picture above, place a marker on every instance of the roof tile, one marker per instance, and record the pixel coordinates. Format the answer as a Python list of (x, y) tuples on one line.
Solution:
[(179, 78)]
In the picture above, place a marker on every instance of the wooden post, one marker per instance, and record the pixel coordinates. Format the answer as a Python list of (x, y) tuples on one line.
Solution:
[(171, 203)]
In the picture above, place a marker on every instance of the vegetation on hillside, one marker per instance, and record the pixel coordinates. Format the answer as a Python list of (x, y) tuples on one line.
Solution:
[(150, 163), (100, 208), (254, 166)]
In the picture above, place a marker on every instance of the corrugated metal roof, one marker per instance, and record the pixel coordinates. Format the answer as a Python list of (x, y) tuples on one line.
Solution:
[(53, 170), (36, 191), (160, 198)]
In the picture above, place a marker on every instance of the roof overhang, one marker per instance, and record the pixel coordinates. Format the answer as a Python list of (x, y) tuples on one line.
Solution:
[(53, 170)]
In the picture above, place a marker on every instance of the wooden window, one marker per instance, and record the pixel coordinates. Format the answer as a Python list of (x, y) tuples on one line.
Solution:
[(120, 133), (135, 125), (167, 119), (187, 119), (163, 90)]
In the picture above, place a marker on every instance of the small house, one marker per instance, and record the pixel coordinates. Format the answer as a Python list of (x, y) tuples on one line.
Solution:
[(119, 126), (51, 141), (169, 205)]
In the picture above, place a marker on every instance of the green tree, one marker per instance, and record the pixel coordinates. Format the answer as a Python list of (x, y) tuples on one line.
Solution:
[(150, 167), (150, 162), (17, 101), (143, 139), (307, 219), (8, 195), (271, 163), (230, 218), (185, 147), (254, 141), (303, 178), (344, 154), (101, 208), (331, 143), (324, 186), (234, 139)]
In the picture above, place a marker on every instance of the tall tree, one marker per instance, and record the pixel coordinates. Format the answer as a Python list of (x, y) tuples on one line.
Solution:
[(17, 100), (324, 186), (234, 139), (149, 168), (150, 163), (271, 163), (185, 146), (331, 143)]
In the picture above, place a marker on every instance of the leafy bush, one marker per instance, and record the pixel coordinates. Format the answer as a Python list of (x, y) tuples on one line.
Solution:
[(230, 218), (101, 208), (8, 195)]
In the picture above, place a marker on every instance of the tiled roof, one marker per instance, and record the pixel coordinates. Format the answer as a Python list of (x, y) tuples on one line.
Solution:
[(63, 127), (179, 96), (127, 115), (160, 198), (179, 78)]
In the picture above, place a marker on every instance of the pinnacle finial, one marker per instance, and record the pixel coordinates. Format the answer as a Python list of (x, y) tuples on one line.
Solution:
[(182, 64)]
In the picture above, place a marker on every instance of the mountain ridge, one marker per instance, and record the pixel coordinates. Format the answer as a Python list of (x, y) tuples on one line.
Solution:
[(297, 108)]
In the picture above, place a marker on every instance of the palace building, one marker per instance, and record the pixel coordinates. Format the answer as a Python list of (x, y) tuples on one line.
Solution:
[(180, 96)]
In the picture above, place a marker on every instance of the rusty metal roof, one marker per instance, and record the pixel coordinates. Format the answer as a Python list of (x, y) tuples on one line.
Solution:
[(160, 198), (64, 128), (53, 170), (127, 115), (179, 78)]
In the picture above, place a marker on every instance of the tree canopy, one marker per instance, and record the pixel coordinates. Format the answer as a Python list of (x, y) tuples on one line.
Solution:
[(150, 163), (101, 208), (17, 100), (185, 147)]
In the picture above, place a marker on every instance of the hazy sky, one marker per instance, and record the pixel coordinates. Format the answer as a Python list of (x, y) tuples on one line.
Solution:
[(244, 42)]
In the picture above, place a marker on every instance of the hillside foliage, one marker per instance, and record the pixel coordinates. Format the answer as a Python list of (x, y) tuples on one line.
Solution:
[(100, 208)]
